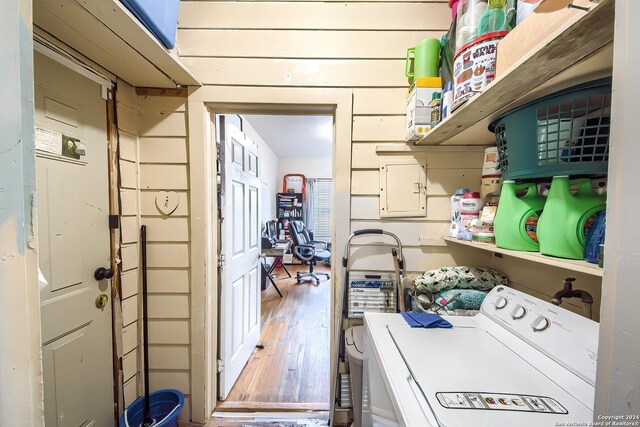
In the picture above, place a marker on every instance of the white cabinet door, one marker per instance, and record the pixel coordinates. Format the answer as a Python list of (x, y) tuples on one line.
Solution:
[(403, 190)]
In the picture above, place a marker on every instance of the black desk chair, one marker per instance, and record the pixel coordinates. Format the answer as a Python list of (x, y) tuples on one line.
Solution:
[(308, 251)]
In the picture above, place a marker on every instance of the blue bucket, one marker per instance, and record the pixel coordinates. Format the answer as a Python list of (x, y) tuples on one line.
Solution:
[(165, 405)]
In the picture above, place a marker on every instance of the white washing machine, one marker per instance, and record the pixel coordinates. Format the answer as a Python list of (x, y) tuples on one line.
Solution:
[(520, 362)]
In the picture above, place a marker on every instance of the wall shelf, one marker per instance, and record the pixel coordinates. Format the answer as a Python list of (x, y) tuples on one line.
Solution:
[(580, 50), (107, 33), (569, 264)]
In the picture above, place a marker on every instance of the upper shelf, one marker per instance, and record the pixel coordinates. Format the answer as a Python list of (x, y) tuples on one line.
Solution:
[(108, 34), (568, 264), (580, 50)]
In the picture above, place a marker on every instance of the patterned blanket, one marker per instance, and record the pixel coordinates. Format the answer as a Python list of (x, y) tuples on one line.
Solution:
[(460, 277)]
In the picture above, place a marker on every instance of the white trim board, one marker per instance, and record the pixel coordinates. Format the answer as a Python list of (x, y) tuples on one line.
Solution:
[(42, 46), (203, 103)]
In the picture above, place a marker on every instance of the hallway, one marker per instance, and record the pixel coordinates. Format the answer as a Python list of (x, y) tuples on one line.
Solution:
[(292, 371)]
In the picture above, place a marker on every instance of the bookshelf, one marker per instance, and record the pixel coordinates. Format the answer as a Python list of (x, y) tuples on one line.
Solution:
[(289, 207)]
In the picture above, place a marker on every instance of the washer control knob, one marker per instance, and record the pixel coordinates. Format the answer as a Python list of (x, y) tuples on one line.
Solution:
[(518, 312), (500, 303), (540, 323)]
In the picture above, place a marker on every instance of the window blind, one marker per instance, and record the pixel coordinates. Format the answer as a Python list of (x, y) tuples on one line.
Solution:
[(323, 198)]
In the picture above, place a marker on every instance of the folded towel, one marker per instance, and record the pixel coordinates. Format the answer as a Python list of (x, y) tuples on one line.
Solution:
[(425, 320)]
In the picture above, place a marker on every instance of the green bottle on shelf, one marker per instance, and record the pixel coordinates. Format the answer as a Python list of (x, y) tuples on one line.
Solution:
[(567, 217), (516, 221)]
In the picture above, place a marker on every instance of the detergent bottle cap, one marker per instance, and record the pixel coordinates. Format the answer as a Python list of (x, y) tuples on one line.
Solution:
[(436, 95)]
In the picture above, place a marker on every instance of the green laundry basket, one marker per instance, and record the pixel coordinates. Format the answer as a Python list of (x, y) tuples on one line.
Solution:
[(566, 133)]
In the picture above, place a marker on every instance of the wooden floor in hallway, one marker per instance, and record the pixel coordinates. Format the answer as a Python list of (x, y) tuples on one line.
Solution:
[(292, 370)]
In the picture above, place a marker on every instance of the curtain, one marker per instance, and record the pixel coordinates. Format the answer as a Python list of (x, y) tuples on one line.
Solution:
[(309, 204)]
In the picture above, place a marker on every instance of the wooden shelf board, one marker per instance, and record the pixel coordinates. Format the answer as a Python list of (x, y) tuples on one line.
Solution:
[(108, 34), (399, 149), (578, 51), (568, 264)]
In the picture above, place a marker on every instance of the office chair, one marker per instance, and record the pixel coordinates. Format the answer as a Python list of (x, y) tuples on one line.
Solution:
[(308, 251)]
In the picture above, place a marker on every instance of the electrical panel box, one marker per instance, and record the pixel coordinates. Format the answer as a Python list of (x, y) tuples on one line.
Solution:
[(403, 188)]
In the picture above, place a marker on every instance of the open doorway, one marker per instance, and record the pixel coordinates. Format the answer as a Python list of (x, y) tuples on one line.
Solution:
[(275, 204)]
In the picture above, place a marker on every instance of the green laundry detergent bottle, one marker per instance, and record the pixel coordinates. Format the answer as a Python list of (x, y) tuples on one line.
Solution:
[(517, 217), (567, 217)]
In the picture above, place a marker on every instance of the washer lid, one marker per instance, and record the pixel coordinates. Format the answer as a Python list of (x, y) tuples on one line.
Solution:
[(468, 377)]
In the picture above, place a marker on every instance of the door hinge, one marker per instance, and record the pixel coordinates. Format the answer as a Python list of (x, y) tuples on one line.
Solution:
[(220, 366), (221, 260)]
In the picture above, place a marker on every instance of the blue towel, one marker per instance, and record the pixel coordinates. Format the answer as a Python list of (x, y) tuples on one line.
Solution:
[(425, 320)]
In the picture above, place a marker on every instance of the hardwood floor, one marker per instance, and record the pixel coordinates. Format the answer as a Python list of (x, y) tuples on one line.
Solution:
[(292, 371)]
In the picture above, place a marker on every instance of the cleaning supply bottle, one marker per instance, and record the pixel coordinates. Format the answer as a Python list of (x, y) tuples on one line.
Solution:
[(455, 211), (567, 218), (595, 238), (470, 206), (447, 99), (435, 109), (516, 222)]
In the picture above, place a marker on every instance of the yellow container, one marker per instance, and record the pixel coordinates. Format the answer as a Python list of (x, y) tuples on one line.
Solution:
[(418, 120)]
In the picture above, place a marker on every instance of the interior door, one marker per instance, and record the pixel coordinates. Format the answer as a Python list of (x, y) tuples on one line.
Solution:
[(73, 230), (240, 272)]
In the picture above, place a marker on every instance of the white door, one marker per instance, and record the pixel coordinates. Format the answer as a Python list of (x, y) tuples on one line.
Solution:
[(240, 287), (73, 230)]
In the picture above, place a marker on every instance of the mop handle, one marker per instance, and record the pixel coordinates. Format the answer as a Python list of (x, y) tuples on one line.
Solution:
[(145, 328)]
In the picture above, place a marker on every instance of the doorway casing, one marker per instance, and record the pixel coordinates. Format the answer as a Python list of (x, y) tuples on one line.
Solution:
[(204, 103)]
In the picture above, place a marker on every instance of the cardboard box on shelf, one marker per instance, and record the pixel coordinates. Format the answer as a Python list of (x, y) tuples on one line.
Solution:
[(418, 122)]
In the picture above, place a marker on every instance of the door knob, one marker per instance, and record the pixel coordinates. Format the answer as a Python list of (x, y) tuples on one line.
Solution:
[(102, 273)]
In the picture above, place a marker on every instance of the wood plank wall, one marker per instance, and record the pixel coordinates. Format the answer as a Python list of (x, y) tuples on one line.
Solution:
[(356, 45), (153, 157), (163, 157), (127, 119)]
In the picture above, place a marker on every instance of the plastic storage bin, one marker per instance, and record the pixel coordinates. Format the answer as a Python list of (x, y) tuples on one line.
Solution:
[(159, 16), (566, 133), (165, 406)]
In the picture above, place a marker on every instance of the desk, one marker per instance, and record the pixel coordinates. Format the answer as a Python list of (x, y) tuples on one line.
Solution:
[(277, 253)]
